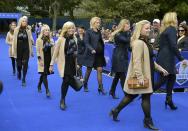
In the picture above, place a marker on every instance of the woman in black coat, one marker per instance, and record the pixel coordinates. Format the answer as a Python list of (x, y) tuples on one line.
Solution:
[(168, 51), (81, 50), (94, 54), (121, 38)]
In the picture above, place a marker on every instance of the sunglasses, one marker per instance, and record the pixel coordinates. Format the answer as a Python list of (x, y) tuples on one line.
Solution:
[(181, 30)]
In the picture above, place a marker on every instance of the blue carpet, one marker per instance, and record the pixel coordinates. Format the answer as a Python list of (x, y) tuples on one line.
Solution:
[(24, 109)]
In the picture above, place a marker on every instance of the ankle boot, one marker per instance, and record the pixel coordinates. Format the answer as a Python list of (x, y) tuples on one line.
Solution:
[(101, 89), (48, 93), (62, 104), (170, 103), (113, 95), (114, 113), (86, 87), (148, 123)]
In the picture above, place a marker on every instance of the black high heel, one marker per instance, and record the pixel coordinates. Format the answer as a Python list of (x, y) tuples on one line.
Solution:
[(170, 103), (48, 93), (114, 113), (148, 123), (62, 104), (101, 90), (113, 95), (86, 87)]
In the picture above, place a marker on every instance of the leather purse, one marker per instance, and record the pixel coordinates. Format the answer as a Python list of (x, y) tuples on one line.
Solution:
[(76, 84), (132, 83)]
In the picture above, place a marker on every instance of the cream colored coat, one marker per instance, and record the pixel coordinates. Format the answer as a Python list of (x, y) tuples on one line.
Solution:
[(9, 41), (139, 66), (59, 55), (39, 48), (14, 45)]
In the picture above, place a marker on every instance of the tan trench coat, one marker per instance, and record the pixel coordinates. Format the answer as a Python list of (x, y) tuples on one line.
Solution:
[(14, 45), (9, 41), (139, 66), (39, 48)]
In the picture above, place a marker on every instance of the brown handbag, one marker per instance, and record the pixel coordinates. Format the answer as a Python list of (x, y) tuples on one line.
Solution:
[(132, 83)]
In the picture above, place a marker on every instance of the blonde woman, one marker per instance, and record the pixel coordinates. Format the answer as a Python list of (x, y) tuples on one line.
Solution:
[(141, 66), (44, 45), (168, 52), (22, 47), (94, 54), (9, 41), (121, 37), (65, 53)]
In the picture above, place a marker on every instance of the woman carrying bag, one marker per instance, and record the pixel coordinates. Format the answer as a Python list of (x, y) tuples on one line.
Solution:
[(141, 67), (65, 54)]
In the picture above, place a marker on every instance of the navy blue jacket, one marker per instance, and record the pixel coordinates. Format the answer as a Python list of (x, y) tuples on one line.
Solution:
[(91, 40), (120, 52), (168, 50), (183, 44)]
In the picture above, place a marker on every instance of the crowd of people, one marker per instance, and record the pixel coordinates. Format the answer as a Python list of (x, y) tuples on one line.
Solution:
[(77, 47)]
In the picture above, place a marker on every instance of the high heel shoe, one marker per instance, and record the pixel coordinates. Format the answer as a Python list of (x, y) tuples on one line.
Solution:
[(62, 104), (101, 90), (48, 93), (148, 123), (113, 95), (39, 89), (114, 113), (86, 87), (170, 103)]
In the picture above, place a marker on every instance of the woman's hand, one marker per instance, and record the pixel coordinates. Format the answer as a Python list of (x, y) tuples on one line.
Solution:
[(165, 73), (51, 68), (141, 81), (41, 62), (93, 52)]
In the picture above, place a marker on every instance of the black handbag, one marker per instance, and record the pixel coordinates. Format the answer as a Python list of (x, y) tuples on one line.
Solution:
[(76, 83)]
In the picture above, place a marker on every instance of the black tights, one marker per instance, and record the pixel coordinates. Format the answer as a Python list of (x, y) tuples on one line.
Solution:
[(43, 79), (13, 60), (99, 75), (169, 80), (65, 85), (118, 75), (22, 63), (146, 106)]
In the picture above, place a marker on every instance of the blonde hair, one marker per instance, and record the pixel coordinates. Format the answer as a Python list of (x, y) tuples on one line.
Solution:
[(93, 20), (65, 28), (169, 19), (43, 28), (138, 28), (21, 20), (120, 27)]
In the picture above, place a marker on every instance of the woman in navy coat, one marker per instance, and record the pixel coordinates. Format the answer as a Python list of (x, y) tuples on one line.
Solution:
[(168, 52), (94, 53), (121, 38)]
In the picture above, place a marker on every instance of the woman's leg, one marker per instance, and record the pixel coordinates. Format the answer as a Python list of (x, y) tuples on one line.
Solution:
[(87, 74), (124, 102), (169, 86), (45, 82), (64, 90), (13, 65), (40, 83), (19, 67), (146, 107), (114, 84), (99, 78)]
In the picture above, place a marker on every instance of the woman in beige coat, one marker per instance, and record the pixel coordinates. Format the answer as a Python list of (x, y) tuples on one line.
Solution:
[(9, 41), (44, 45), (22, 47), (141, 66), (65, 54)]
